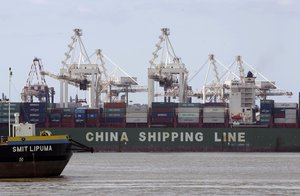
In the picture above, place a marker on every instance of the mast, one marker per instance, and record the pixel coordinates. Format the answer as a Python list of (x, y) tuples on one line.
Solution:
[(10, 75)]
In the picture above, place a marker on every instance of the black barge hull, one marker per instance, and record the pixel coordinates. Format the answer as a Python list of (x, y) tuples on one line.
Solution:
[(38, 156)]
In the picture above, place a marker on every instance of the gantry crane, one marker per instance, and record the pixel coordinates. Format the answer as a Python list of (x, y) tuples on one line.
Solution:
[(167, 69), (117, 81), (218, 87), (36, 85), (79, 70), (79, 67)]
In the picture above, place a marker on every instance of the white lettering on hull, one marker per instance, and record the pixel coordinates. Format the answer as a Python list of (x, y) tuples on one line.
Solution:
[(42, 148), (106, 137), (230, 137), (145, 136), (171, 136), (165, 136)]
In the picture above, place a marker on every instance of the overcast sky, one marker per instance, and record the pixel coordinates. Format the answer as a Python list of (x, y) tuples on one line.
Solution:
[(264, 32)]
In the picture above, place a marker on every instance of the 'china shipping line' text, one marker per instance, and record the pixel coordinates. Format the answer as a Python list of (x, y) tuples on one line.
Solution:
[(165, 137)]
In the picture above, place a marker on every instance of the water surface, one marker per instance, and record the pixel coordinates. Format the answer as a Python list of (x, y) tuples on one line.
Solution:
[(168, 174)]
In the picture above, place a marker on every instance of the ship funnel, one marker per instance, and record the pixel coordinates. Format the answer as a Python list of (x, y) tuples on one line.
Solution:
[(17, 120)]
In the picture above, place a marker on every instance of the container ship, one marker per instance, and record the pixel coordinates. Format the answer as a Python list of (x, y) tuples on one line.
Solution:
[(168, 127), (233, 115)]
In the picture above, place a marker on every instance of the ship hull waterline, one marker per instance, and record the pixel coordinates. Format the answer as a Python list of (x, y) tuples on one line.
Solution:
[(34, 160)]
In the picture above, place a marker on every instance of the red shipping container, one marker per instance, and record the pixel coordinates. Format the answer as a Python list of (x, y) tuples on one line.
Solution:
[(54, 124), (55, 110), (92, 111), (279, 115), (117, 125), (68, 120), (92, 122), (80, 124), (68, 125)]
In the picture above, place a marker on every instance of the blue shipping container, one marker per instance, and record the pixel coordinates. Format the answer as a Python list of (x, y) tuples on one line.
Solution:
[(114, 120), (80, 111), (68, 110), (279, 110), (92, 116), (80, 116)]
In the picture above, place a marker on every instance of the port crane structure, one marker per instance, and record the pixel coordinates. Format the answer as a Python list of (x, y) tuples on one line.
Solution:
[(36, 85), (79, 70), (217, 87), (167, 70)]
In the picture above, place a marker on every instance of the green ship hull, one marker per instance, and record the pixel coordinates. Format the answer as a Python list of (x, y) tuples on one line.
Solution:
[(185, 139)]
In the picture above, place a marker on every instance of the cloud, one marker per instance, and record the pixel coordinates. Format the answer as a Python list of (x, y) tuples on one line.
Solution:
[(285, 2), (84, 10), (40, 2)]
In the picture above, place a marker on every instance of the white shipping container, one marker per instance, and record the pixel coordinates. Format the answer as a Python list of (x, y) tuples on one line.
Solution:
[(285, 105), (136, 120), (279, 120), (188, 115), (213, 120), (188, 110), (187, 120), (285, 120), (214, 115), (136, 115), (213, 109), (137, 109), (290, 112), (290, 120)]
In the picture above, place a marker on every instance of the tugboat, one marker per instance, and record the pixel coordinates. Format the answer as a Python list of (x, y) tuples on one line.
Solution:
[(24, 155)]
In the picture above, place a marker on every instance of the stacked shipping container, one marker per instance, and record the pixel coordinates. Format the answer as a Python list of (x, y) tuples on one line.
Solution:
[(54, 117), (160, 114), (163, 113), (114, 114), (188, 114), (92, 118), (266, 111), (80, 117), (34, 113), (285, 114), (137, 115), (4, 112), (68, 119), (214, 114)]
